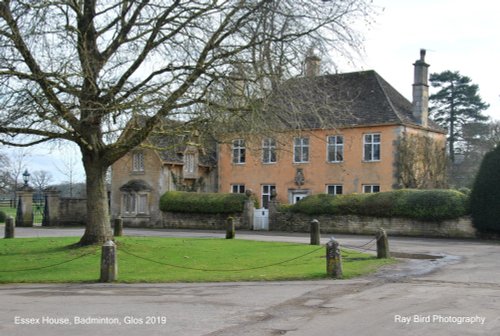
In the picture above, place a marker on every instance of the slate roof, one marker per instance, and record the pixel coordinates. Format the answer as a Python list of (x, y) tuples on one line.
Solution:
[(171, 148), (343, 100)]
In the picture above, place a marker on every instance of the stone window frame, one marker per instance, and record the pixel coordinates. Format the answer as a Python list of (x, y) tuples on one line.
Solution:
[(238, 188), (301, 150), (370, 188), (265, 195), (135, 203), (335, 148), (372, 145), (239, 151), (138, 165), (269, 151), (335, 188)]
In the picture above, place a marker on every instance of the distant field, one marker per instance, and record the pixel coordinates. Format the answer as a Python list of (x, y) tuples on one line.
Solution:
[(153, 259)]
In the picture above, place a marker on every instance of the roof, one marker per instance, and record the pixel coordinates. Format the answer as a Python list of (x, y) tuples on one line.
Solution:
[(342, 100), (171, 148)]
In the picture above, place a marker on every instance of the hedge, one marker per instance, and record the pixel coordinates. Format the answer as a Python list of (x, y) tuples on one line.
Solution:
[(433, 205), (191, 202), (485, 194), (3, 217)]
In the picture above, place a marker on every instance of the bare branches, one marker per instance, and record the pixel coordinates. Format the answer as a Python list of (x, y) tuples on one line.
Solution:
[(87, 67)]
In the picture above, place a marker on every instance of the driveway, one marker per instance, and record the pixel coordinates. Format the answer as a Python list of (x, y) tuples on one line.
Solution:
[(458, 294)]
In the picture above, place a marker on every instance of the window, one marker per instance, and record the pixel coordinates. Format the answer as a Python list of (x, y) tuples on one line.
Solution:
[(189, 163), (267, 190), (238, 188), (134, 203), (129, 203), (371, 147), (334, 189), (138, 161), (371, 188), (335, 148), (301, 150), (297, 195), (239, 151), (142, 203), (269, 150)]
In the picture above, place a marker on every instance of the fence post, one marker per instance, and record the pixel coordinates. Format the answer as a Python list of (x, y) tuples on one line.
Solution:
[(118, 227), (109, 265), (230, 231), (333, 259), (382, 245), (315, 234), (9, 227)]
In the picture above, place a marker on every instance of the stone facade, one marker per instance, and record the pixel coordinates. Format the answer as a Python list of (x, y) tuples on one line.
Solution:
[(293, 222), (343, 139), (146, 185)]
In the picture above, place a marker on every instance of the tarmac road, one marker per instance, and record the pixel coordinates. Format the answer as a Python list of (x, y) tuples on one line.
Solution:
[(455, 295)]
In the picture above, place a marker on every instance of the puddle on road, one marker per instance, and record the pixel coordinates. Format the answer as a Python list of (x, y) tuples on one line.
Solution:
[(415, 265)]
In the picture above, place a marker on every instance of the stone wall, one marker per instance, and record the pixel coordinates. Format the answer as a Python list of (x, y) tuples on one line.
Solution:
[(293, 222), (72, 211), (178, 220)]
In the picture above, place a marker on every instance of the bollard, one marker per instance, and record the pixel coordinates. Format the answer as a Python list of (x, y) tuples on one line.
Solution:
[(315, 234), (230, 231), (382, 245), (109, 264), (118, 227), (333, 259), (9, 227)]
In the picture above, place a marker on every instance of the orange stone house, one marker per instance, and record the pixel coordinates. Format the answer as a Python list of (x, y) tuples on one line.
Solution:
[(365, 137)]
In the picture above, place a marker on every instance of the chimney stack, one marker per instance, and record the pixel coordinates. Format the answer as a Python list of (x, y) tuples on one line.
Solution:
[(421, 90), (312, 64)]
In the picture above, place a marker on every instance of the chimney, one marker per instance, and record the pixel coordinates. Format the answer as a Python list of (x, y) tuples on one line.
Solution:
[(421, 90), (312, 64)]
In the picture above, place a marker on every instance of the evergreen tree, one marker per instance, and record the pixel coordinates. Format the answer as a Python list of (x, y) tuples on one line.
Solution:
[(485, 195), (456, 104)]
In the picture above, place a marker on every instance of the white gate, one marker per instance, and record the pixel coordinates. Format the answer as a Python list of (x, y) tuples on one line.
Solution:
[(261, 219)]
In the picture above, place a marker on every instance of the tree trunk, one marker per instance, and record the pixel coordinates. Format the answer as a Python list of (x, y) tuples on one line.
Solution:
[(98, 228)]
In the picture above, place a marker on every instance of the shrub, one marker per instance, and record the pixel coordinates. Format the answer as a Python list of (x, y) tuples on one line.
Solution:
[(180, 201), (3, 217), (417, 204), (485, 194), (432, 205)]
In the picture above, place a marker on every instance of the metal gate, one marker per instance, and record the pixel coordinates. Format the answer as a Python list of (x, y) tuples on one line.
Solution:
[(261, 219)]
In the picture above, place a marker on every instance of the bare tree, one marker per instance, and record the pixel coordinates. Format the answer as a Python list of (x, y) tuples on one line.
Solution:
[(41, 180), (69, 168), (6, 181), (81, 70)]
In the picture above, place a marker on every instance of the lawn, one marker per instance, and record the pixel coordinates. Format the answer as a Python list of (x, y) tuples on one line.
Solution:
[(153, 259)]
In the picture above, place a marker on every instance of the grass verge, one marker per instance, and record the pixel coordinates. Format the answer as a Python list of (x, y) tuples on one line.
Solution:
[(153, 259)]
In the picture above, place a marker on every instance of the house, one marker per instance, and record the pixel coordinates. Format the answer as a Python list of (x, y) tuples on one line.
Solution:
[(163, 163), (340, 134)]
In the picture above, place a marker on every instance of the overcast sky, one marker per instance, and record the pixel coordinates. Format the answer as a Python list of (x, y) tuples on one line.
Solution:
[(459, 35)]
